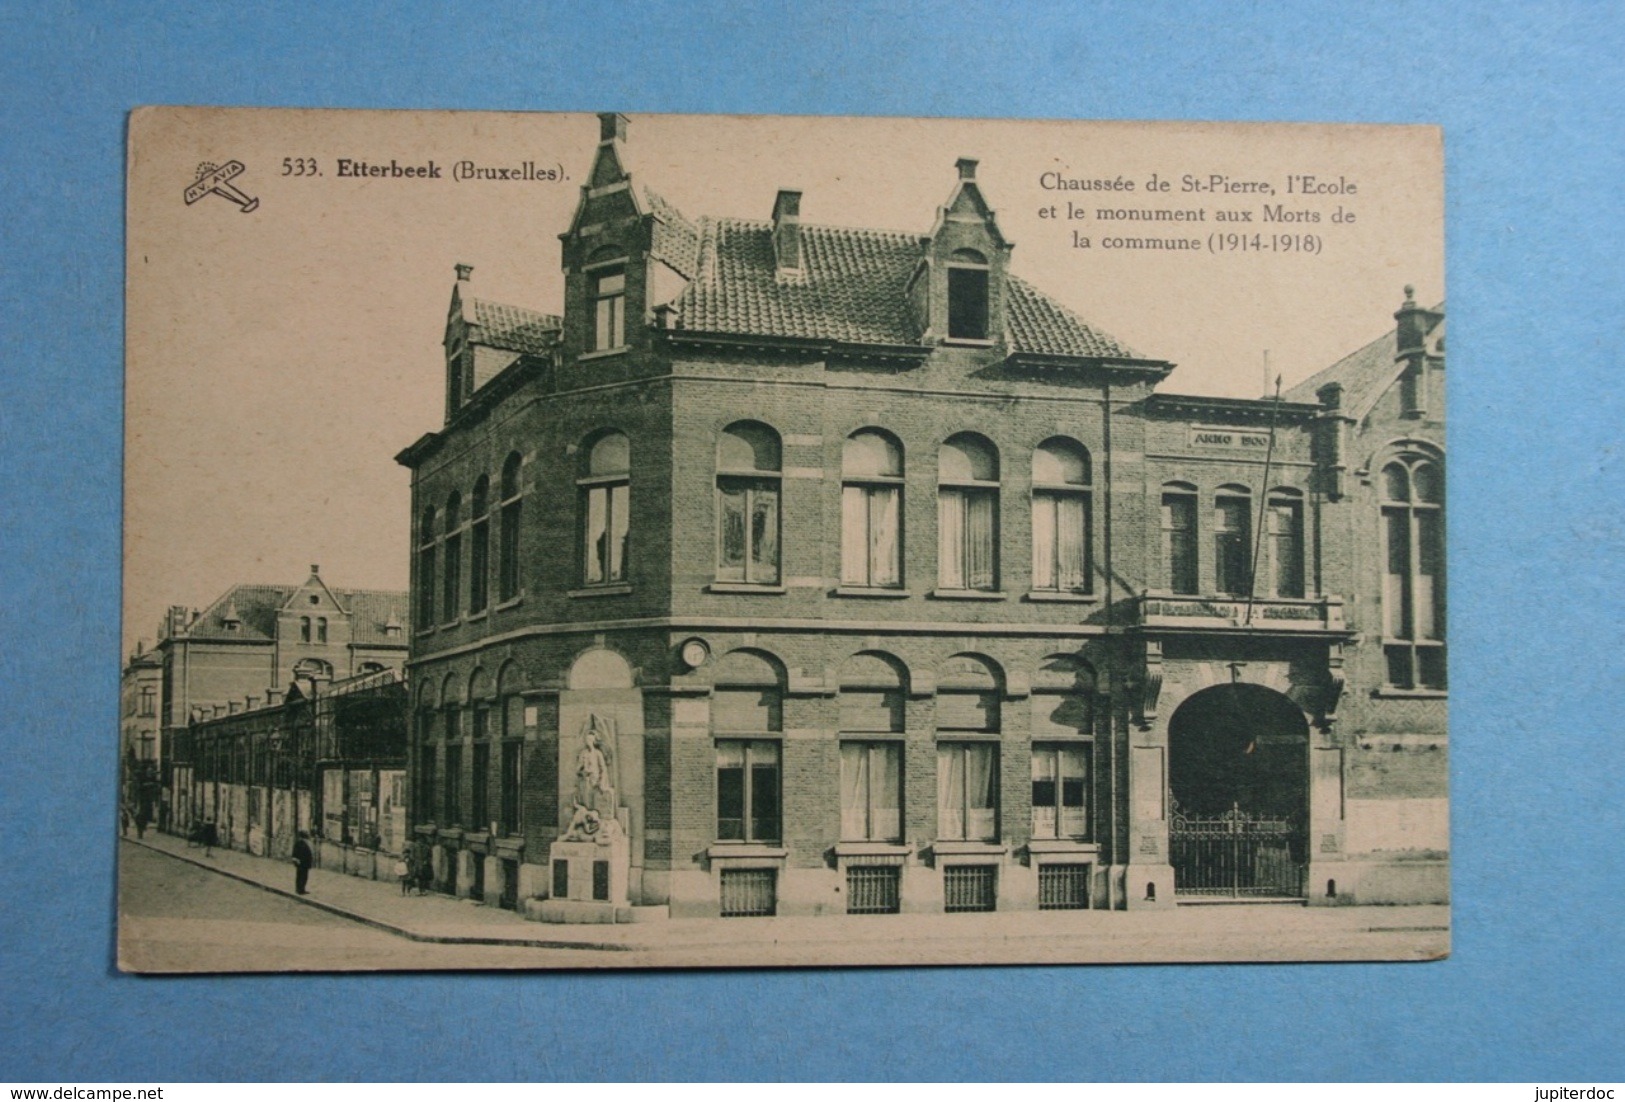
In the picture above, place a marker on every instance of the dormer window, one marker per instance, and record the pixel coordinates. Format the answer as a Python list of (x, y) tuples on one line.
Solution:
[(967, 296), (606, 282)]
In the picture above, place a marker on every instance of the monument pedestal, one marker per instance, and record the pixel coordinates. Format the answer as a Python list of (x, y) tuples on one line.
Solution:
[(588, 878)]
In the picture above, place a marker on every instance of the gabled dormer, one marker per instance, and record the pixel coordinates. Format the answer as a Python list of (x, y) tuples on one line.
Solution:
[(484, 338), (625, 257), (312, 615), (958, 294)]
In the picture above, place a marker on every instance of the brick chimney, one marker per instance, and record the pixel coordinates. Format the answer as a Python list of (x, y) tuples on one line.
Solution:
[(464, 272), (787, 231), (611, 127)]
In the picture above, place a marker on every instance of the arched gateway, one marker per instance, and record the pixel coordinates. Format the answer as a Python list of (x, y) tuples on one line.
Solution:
[(1238, 776)]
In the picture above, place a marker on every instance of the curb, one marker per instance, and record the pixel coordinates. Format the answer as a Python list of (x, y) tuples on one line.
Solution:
[(389, 927)]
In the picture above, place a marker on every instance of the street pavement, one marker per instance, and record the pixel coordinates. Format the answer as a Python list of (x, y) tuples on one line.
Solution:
[(183, 912)]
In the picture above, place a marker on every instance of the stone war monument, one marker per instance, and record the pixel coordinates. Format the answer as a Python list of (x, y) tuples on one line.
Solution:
[(591, 862)]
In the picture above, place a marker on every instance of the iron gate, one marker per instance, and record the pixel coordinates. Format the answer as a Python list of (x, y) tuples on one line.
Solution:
[(1236, 854)]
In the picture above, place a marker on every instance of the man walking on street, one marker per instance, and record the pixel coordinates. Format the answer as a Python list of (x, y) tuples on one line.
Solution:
[(302, 859)]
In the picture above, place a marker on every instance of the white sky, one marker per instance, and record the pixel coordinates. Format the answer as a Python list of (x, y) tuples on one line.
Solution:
[(278, 360)]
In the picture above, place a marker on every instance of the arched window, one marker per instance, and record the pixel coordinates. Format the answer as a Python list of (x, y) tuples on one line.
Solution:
[(747, 716), (451, 796), (321, 629), (426, 565), (968, 296), (1284, 542), (606, 283), (479, 705), (605, 496), (313, 669), (871, 510), (1062, 559), (1413, 613), (967, 513), (748, 477), (1232, 540), (511, 767), (508, 554), (479, 548), (968, 691), (871, 704), (451, 601), (304, 629), (1179, 537)]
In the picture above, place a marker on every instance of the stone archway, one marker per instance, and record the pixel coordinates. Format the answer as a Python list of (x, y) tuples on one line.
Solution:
[(1238, 778)]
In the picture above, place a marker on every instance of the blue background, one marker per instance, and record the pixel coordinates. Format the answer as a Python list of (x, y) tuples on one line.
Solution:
[(1530, 98)]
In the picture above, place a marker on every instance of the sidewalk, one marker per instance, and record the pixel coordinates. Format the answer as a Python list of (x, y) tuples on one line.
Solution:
[(1191, 933)]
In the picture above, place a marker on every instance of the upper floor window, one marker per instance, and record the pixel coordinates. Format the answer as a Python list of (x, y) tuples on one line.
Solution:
[(1284, 542), (1179, 537), (1232, 540), (304, 629), (508, 552), (606, 280), (321, 629), (1061, 518), (479, 547), (968, 693), (149, 700), (606, 494), (426, 568), (748, 477), (1413, 612), (968, 296), (453, 568), (967, 513), (871, 509)]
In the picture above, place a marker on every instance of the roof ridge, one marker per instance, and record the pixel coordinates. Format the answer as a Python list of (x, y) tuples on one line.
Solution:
[(767, 224)]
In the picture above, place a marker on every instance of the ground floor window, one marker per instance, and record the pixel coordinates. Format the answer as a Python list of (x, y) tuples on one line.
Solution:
[(1063, 887), (968, 791), (969, 888), (873, 889), (748, 791), (1060, 792), (749, 893), (871, 791)]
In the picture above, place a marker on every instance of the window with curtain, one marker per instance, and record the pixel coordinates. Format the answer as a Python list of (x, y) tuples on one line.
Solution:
[(968, 791), (606, 495), (451, 604), (508, 551), (748, 483), (1060, 791), (871, 791), (1412, 488), (1232, 541), (871, 510), (479, 547), (1179, 537), (967, 513), (1062, 560), (1285, 536)]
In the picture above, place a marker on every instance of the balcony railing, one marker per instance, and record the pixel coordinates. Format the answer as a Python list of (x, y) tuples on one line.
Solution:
[(1269, 614)]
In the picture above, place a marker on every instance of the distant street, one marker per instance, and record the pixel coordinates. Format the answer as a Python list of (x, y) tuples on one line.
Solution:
[(176, 917)]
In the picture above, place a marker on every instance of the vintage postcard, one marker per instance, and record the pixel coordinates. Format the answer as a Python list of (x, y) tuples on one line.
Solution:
[(562, 541)]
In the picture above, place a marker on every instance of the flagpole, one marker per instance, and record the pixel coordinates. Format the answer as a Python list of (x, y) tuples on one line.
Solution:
[(1263, 507)]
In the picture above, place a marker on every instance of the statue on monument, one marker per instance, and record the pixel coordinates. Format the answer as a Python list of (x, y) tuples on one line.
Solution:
[(595, 800)]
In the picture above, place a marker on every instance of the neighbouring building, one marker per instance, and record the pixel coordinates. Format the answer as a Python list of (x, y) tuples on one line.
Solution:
[(328, 758), (799, 569), (244, 651), (141, 749)]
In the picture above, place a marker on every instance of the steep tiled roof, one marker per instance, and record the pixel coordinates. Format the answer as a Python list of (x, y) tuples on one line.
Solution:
[(256, 607), (512, 327), (1363, 374), (1039, 324), (676, 239), (851, 288)]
